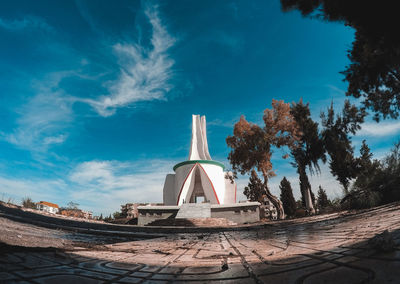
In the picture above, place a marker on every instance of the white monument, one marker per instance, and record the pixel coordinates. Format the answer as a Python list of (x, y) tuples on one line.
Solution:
[(199, 179)]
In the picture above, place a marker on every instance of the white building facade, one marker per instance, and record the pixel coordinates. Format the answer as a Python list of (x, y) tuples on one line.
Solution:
[(47, 207)]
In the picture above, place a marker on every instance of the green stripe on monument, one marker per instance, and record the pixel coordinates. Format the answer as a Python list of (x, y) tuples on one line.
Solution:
[(200, 162)]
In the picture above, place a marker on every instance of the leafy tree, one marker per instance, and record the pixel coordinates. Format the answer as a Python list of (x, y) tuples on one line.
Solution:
[(27, 202), (366, 167), (377, 182), (374, 71), (322, 198), (255, 189), (299, 204), (309, 151), (390, 176), (101, 216), (116, 214), (289, 203), (251, 144), (72, 205), (337, 142), (108, 219), (364, 160)]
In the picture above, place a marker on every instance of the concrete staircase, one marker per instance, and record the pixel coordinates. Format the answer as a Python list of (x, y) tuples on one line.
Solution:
[(194, 211)]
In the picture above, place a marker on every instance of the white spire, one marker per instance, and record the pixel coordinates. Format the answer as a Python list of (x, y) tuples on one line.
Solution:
[(199, 145)]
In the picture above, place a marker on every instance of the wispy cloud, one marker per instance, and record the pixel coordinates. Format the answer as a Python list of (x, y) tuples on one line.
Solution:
[(28, 22), (234, 43), (55, 139), (108, 184), (386, 128), (44, 118), (335, 91), (221, 123), (99, 186), (37, 189), (145, 73)]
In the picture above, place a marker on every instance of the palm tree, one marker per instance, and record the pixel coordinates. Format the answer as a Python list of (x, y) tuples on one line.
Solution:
[(309, 151)]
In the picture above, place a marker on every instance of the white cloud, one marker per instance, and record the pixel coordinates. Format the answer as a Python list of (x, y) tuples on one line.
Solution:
[(55, 139), (386, 128), (28, 22), (221, 123), (335, 91), (234, 43), (144, 75), (105, 185), (44, 118), (99, 186), (144, 72), (42, 189)]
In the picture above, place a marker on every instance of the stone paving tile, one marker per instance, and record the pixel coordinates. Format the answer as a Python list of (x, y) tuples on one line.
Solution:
[(337, 275), (232, 272), (29, 274), (10, 267), (293, 275), (99, 266), (141, 274), (384, 271), (67, 279), (30, 261), (152, 281), (6, 276), (130, 280), (261, 268), (163, 277), (123, 266), (200, 270)]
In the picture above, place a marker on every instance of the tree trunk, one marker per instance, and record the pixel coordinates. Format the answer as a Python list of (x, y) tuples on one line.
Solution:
[(305, 188), (275, 201)]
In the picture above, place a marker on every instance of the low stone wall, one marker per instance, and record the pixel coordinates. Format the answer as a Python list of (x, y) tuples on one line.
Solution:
[(148, 214), (239, 213)]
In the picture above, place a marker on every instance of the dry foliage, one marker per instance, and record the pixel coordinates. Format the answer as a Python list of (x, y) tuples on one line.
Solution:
[(251, 144)]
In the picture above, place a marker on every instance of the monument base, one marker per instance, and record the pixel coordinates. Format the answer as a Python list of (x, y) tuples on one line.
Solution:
[(238, 213)]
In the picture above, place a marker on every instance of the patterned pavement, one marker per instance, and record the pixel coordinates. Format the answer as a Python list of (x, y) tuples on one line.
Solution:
[(323, 249)]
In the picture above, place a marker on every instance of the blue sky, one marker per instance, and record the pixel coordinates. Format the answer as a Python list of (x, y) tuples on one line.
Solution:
[(96, 98)]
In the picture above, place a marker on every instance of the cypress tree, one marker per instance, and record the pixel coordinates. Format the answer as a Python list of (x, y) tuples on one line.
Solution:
[(323, 200), (255, 189), (289, 203)]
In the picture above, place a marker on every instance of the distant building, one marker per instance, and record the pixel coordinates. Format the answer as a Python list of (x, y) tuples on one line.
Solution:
[(87, 214), (77, 213), (130, 210), (47, 207)]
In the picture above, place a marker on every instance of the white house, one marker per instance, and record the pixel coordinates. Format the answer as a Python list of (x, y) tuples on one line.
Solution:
[(47, 207)]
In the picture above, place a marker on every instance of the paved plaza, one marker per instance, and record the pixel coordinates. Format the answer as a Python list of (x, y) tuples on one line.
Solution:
[(352, 247)]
